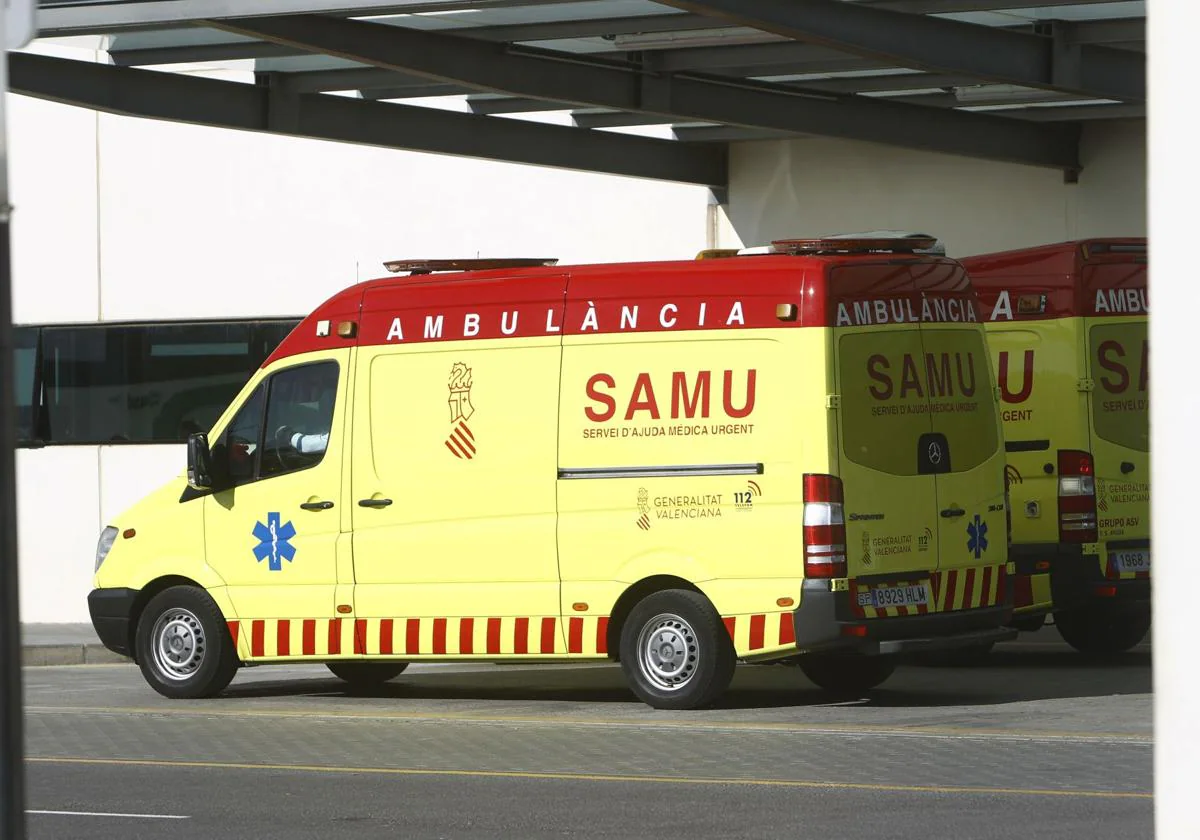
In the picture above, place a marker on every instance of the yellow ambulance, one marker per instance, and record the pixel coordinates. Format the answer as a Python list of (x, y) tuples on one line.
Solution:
[(788, 455), (1067, 327)]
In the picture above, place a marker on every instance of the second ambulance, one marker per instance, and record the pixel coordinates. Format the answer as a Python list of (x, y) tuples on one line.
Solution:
[(1067, 327)]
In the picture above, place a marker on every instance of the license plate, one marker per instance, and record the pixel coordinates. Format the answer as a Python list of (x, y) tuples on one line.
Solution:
[(914, 595), (1130, 561)]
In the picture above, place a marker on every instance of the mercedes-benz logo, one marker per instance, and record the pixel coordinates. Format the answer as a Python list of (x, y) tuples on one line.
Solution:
[(935, 453)]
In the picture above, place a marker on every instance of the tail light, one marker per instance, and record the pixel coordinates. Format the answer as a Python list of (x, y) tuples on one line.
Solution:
[(824, 527), (1076, 497)]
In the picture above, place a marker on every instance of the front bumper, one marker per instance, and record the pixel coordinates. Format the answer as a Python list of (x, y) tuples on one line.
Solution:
[(111, 611), (822, 625)]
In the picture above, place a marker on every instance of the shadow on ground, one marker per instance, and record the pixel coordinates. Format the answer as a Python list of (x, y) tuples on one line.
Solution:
[(1007, 676)]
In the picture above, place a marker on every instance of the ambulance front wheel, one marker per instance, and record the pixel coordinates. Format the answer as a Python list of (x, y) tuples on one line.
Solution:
[(1098, 631), (847, 674), (183, 645), (675, 651), (366, 674)]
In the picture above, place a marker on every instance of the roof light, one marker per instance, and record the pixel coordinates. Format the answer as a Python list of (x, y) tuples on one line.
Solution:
[(1090, 249), (886, 241), (717, 253), (430, 266)]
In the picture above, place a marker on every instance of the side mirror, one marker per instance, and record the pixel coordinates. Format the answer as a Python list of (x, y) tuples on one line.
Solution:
[(199, 462)]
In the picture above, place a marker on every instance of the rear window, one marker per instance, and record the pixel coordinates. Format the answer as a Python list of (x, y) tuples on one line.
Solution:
[(1120, 358), (897, 385), (959, 383), (884, 406)]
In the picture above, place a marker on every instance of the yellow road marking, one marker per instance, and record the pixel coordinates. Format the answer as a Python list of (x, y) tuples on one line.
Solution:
[(590, 777), (709, 725)]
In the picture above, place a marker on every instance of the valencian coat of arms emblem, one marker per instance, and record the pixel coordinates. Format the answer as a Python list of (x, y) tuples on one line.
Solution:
[(461, 440)]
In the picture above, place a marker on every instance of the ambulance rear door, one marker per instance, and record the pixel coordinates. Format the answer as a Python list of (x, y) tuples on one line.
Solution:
[(972, 534), (1114, 296), (885, 438)]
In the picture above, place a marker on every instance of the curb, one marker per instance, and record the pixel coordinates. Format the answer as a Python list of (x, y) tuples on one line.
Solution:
[(72, 654)]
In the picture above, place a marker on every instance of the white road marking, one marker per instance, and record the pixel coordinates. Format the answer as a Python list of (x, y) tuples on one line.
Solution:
[(107, 814)]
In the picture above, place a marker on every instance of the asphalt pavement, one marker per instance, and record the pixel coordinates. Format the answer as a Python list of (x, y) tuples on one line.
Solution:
[(1036, 743)]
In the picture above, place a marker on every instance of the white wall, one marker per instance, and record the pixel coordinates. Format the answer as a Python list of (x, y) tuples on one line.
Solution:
[(52, 186), (819, 186), (66, 494), (119, 218)]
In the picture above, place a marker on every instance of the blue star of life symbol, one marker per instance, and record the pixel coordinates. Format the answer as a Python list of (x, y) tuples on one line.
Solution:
[(977, 537), (273, 542)]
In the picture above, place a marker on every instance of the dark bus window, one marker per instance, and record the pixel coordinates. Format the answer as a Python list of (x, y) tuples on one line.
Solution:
[(144, 383), (25, 379)]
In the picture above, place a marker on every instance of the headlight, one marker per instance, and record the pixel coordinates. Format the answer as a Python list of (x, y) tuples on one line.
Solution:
[(107, 536)]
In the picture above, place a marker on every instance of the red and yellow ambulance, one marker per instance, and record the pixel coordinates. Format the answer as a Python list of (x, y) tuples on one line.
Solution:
[(1067, 325), (788, 455)]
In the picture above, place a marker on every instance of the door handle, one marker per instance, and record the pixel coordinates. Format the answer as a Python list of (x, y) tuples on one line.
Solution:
[(1126, 467), (951, 513), (374, 503), (316, 505)]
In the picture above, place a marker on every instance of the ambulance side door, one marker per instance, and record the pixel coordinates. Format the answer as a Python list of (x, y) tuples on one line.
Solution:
[(454, 470), (273, 533)]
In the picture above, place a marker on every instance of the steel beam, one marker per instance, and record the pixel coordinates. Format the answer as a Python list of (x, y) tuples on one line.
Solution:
[(102, 17), (937, 44), (1099, 31), (412, 92), (729, 134), (371, 79), (1080, 112), (513, 105), (199, 101), (888, 82), (943, 7), (89, 18), (616, 119), (557, 77), (510, 33)]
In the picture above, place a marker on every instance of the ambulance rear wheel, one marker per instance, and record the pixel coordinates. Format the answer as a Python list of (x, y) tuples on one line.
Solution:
[(847, 674), (366, 674), (675, 651), (1103, 632), (183, 645)]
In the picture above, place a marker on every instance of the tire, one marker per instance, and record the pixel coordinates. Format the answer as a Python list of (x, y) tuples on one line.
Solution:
[(1102, 632), (675, 651), (183, 645), (366, 674), (847, 674), (963, 657)]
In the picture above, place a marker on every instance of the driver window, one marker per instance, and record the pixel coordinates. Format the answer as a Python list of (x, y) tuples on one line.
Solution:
[(299, 417), (239, 444)]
